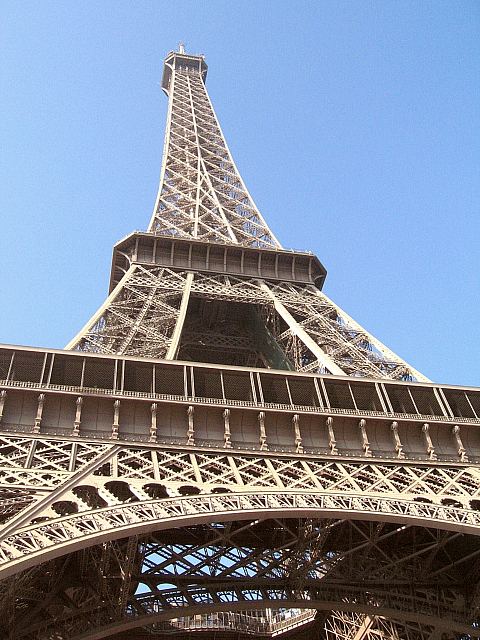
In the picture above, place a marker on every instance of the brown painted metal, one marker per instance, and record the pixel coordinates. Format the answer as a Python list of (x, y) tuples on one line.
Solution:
[(222, 452)]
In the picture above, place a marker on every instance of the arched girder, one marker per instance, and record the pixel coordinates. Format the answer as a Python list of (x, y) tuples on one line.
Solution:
[(97, 623), (47, 540), (441, 623), (340, 561)]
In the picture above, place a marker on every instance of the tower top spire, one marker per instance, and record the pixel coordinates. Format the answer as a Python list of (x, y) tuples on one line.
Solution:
[(181, 61)]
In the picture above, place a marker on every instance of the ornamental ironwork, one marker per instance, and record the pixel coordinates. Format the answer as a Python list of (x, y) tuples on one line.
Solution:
[(223, 452)]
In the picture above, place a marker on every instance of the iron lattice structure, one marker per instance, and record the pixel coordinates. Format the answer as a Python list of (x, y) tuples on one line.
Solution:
[(222, 452)]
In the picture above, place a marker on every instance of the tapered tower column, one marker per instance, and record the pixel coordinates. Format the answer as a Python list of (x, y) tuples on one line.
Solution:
[(201, 194)]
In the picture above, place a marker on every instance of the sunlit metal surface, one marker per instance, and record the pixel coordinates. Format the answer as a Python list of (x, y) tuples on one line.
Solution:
[(222, 452)]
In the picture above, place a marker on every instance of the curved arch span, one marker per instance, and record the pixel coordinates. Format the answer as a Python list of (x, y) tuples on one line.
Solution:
[(444, 623), (47, 540)]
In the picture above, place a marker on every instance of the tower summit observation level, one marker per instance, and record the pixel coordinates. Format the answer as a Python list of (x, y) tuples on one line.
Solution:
[(180, 60), (221, 451)]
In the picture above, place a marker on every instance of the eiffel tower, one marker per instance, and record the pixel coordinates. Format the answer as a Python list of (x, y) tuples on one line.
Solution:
[(222, 452)]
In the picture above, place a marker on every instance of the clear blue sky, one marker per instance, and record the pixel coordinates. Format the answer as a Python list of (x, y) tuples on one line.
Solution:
[(355, 124)]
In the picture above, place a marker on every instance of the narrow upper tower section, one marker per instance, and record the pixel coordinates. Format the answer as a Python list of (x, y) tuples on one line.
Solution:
[(201, 194), (181, 61)]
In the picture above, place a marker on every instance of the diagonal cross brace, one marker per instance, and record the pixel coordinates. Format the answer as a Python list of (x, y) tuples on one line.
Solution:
[(33, 510), (297, 330)]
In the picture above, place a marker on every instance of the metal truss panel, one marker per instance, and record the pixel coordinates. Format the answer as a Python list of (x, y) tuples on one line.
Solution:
[(144, 316), (206, 461), (196, 572), (360, 517), (351, 350), (139, 317), (201, 193)]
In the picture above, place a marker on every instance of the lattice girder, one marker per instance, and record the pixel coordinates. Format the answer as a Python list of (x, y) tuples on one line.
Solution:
[(253, 565), (137, 492), (352, 626), (112, 493), (201, 193), (143, 314)]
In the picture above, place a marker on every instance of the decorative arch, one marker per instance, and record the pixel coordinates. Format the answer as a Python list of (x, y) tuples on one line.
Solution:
[(46, 540)]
